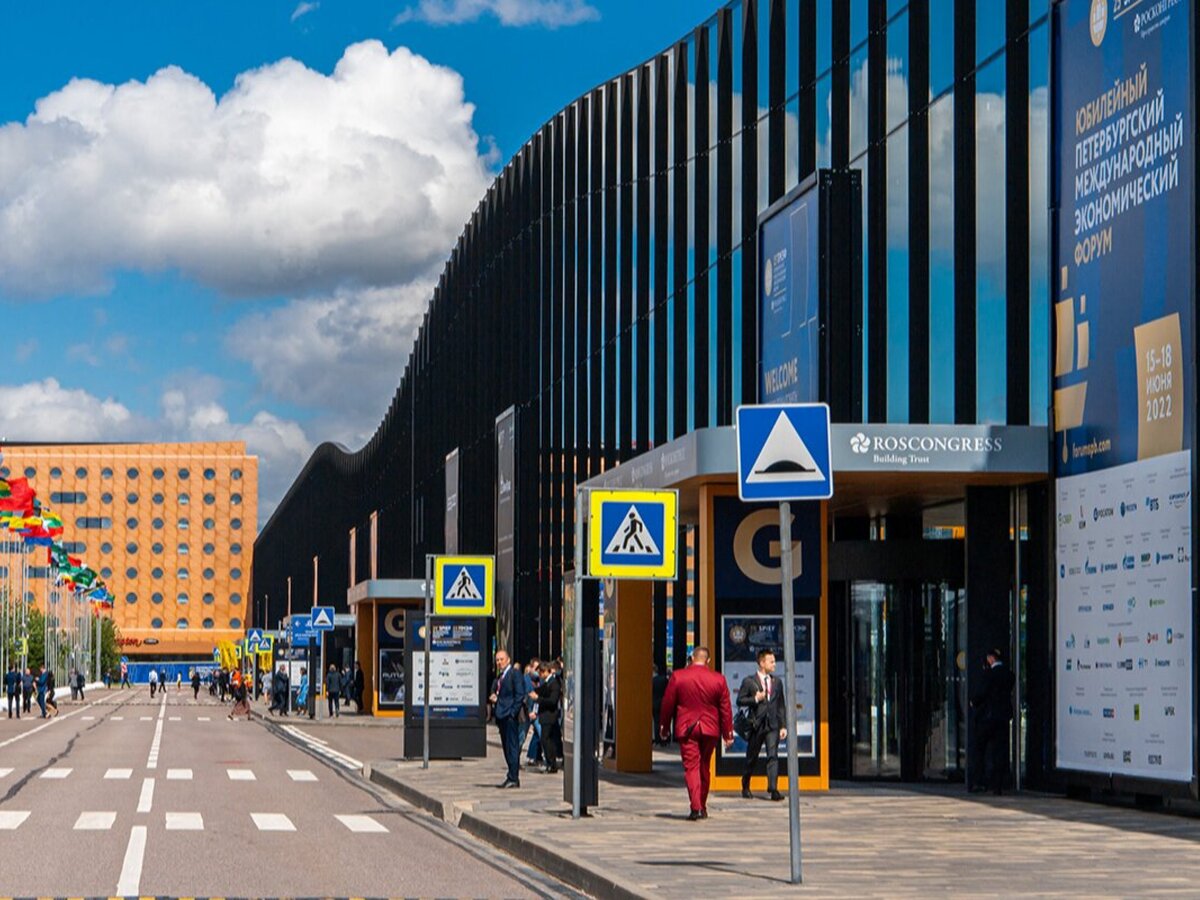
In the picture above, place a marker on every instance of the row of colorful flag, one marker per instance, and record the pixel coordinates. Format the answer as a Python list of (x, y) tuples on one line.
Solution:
[(24, 515)]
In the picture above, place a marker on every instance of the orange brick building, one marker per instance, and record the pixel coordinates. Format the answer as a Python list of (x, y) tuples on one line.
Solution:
[(170, 528)]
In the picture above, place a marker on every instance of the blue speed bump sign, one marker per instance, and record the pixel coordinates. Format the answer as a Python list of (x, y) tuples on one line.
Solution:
[(463, 585), (783, 452), (321, 618), (632, 534)]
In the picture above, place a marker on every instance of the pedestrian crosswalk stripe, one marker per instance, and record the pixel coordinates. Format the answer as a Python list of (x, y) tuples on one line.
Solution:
[(4, 772), (362, 824), (301, 775), (57, 773), (11, 819), (118, 774), (95, 821), (241, 775), (179, 774), (272, 822), (146, 718), (185, 821), (88, 718), (174, 719), (118, 718), (203, 719)]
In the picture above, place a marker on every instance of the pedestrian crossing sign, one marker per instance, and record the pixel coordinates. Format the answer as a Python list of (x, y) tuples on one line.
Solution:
[(632, 534), (463, 585)]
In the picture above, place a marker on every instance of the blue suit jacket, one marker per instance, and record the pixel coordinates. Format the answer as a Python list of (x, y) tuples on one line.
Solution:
[(511, 696)]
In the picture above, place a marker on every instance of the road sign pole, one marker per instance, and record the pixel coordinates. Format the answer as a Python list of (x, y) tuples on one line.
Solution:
[(428, 653), (310, 702), (789, 662), (577, 679)]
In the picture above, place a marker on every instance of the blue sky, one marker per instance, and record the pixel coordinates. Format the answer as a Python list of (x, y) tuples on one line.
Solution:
[(199, 241)]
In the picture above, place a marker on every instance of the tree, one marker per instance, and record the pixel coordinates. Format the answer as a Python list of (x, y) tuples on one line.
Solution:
[(110, 654)]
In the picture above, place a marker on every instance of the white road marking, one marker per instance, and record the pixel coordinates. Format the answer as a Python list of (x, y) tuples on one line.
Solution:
[(241, 775), (185, 821), (118, 774), (301, 775), (272, 822), (56, 773), (203, 719), (131, 870), (362, 824), (319, 747), (88, 718), (179, 774), (118, 718), (145, 718), (152, 759), (11, 819), (4, 772), (95, 821), (174, 719), (46, 724), (146, 800)]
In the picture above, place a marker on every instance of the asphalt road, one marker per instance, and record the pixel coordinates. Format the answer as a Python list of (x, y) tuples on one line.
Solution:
[(125, 797)]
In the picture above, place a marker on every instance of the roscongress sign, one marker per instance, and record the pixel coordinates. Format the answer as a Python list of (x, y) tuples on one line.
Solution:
[(938, 448)]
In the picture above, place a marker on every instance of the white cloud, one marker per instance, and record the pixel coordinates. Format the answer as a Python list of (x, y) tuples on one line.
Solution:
[(292, 182), (548, 13), (303, 9), (46, 411)]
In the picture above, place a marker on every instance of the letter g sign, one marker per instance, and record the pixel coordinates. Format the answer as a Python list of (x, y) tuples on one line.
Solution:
[(743, 548)]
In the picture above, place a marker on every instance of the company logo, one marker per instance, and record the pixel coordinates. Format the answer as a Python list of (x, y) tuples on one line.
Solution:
[(1108, 754), (860, 443), (1162, 663), (1127, 756), (1155, 759), (1101, 512), (1126, 664), (1108, 567), (1157, 601), (1109, 712), (1078, 711), (1104, 665), (1173, 635), (1137, 712), (1088, 568), (1069, 667), (1178, 499), (1087, 643), (1169, 712), (1107, 607), (1152, 637), (1064, 519), (1062, 570), (1163, 557), (1142, 662), (1071, 641), (1098, 21), (768, 277), (1085, 607), (1128, 562), (1123, 639), (1146, 559), (1127, 507), (1131, 604), (1182, 554), (1103, 641), (1151, 504)]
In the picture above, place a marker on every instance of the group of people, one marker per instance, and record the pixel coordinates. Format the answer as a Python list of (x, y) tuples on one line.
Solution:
[(21, 687), (344, 684), (524, 702)]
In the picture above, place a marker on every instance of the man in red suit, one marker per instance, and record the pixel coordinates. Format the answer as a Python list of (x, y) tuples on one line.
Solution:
[(697, 698)]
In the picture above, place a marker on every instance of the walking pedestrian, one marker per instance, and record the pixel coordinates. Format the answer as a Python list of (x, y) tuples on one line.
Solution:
[(40, 681), (508, 699), (333, 691), (12, 687), (993, 706), (761, 704), (360, 685), (125, 682), (302, 691), (533, 677), (280, 689), (26, 687), (71, 685), (241, 698), (195, 685), (178, 681), (79, 684), (697, 700), (153, 683), (50, 686), (549, 701)]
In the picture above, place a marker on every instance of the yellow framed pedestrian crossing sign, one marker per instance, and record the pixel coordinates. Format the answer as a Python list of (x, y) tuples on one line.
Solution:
[(633, 534), (464, 585)]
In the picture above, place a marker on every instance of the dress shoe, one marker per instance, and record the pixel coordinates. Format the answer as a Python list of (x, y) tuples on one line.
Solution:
[(704, 813), (552, 770), (506, 783), (694, 815), (746, 793), (746, 787), (775, 795)]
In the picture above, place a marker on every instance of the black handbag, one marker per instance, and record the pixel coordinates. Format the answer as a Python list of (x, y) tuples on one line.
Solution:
[(743, 725)]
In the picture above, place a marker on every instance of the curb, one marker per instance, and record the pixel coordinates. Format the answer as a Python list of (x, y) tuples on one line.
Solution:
[(578, 875)]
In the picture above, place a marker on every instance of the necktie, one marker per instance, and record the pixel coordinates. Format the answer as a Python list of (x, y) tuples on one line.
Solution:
[(768, 680)]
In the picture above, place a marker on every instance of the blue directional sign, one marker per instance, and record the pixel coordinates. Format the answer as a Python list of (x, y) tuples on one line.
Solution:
[(300, 631), (321, 618), (632, 534), (783, 452)]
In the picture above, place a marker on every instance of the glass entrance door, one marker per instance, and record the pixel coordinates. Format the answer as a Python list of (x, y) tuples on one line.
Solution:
[(908, 680)]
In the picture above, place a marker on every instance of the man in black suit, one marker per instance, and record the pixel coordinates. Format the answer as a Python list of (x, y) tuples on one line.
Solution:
[(992, 702), (548, 695), (507, 699), (762, 696)]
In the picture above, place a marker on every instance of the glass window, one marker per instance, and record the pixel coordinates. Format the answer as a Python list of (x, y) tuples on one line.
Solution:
[(131, 523), (210, 499), (156, 572), (184, 474), (236, 474), (106, 472), (235, 599), (208, 623), (209, 599), (210, 474), (132, 473), (941, 261), (30, 471), (897, 277), (182, 572), (183, 549), (989, 28), (991, 259), (235, 549), (131, 497), (1039, 261), (858, 102), (80, 547), (824, 36), (157, 524), (81, 472), (183, 524), (858, 22), (106, 547), (209, 549), (235, 623), (824, 128), (55, 472), (235, 574), (157, 499), (210, 524), (106, 498), (897, 72), (235, 499), (156, 622), (182, 598), (106, 573), (131, 598), (181, 623), (93, 522), (157, 548), (156, 597), (208, 574), (68, 497), (131, 573), (184, 499), (941, 46), (158, 474), (131, 547)]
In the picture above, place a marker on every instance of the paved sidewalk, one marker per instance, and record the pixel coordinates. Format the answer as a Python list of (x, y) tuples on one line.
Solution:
[(859, 840)]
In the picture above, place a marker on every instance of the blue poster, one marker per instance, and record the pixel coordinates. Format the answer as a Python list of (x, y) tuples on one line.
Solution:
[(454, 669), (789, 302)]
